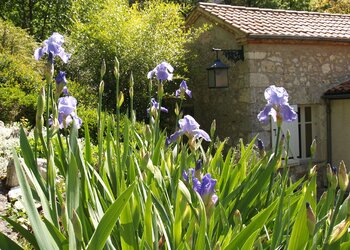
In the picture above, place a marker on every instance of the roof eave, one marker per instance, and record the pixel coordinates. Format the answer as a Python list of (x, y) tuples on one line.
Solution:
[(336, 96), (192, 17), (307, 38), (198, 11)]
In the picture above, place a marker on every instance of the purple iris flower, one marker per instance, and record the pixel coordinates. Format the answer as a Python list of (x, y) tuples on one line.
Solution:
[(155, 106), (277, 106), (190, 128), (61, 78), (183, 89), (61, 83), (65, 90), (67, 104), (206, 188), (163, 72), (65, 120), (52, 46), (66, 111)]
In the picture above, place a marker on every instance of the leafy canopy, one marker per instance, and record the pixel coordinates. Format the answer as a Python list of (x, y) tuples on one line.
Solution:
[(19, 77), (140, 36)]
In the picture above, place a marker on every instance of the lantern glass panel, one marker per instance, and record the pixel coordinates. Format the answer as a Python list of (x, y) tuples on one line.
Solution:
[(221, 78), (211, 78)]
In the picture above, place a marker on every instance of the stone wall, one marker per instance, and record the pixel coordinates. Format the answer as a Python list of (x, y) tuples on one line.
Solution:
[(228, 106)]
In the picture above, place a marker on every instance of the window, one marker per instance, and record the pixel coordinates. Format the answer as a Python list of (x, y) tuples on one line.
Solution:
[(301, 134), (305, 131)]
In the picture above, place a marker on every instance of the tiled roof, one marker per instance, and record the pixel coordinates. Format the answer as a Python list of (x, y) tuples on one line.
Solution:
[(256, 22), (341, 89)]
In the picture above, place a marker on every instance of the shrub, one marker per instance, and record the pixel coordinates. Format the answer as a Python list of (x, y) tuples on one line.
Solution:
[(19, 78), (16, 104), (139, 36)]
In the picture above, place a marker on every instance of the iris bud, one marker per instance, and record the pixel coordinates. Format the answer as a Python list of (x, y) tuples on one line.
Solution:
[(313, 147), (313, 171), (120, 99), (343, 176), (339, 230), (311, 219), (160, 89), (101, 87), (177, 109), (103, 68), (116, 68), (131, 86), (332, 176), (237, 217), (347, 204), (213, 128)]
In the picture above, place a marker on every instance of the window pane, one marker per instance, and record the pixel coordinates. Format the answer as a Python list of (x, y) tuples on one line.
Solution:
[(308, 138), (307, 114), (298, 115)]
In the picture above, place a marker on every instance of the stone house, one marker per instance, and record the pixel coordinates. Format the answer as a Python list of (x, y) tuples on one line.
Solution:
[(307, 53)]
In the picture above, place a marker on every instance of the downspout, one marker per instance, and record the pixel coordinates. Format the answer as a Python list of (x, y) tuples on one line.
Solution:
[(329, 131)]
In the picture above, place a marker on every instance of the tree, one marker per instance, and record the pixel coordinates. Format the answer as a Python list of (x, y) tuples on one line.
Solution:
[(140, 36), (331, 6), (39, 17), (19, 77)]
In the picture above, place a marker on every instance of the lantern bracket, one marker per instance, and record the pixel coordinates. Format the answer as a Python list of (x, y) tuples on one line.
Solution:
[(232, 55)]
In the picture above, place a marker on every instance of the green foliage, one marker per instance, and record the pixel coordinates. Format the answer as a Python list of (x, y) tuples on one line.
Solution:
[(141, 36), (274, 4), (136, 198), (19, 78), (16, 104), (39, 17), (331, 6)]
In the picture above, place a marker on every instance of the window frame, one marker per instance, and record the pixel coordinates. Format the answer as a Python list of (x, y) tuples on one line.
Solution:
[(298, 145), (304, 149)]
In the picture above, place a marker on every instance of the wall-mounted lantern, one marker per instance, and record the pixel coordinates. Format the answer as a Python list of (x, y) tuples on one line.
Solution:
[(218, 71)]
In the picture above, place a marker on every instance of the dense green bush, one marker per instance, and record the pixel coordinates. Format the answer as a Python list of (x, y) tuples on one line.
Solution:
[(140, 36), (39, 17), (19, 78), (16, 104)]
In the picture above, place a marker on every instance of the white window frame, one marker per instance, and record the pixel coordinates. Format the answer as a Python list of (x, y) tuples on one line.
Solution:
[(302, 123), (298, 135)]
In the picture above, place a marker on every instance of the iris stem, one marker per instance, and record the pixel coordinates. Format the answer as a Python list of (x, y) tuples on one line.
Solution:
[(178, 116), (272, 174), (118, 152), (157, 122), (99, 133)]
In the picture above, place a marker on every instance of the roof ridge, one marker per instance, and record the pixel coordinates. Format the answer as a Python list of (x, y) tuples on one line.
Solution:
[(272, 10)]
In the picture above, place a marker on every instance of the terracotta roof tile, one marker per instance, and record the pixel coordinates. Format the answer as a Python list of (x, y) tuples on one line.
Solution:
[(281, 23), (343, 88)]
